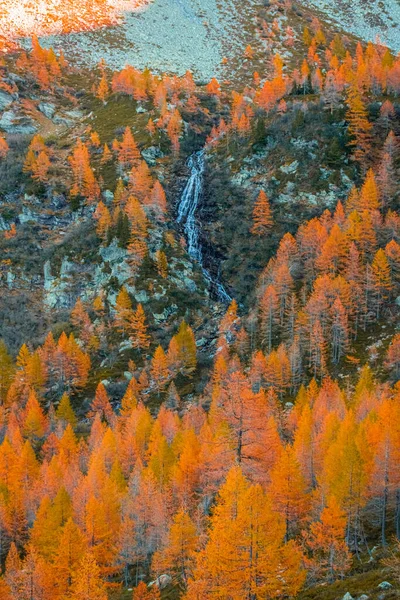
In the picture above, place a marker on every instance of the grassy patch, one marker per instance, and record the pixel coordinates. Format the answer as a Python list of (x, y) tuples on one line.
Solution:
[(362, 583)]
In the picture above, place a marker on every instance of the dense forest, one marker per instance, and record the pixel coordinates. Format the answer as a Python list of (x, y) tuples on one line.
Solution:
[(204, 402)]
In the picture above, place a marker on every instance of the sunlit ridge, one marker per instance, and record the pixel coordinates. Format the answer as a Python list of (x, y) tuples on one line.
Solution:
[(21, 18)]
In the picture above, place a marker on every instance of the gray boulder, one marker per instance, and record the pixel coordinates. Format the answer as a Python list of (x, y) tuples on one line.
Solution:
[(292, 168), (151, 154), (74, 114), (108, 195), (5, 99), (141, 296), (161, 582), (12, 123), (27, 216), (47, 109), (385, 585), (113, 253)]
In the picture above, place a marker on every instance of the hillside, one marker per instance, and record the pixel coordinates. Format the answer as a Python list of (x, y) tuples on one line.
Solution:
[(199, 309), (170, 35), (27, 18), (176, 35), (367, 19)]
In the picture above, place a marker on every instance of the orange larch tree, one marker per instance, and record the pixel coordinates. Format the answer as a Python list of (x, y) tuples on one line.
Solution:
[(359, 126), (138, 329), (4, 148), (262, 215), (84, 181), (288, 491), (101, 404), (87, 583), (127, 150), (159, 368), (178, 556), (330, 555), (244, 554)]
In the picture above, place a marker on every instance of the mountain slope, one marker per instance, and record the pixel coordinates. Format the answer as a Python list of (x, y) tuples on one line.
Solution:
[(367, 19), (24, 18), (169, 35), (199, 312)]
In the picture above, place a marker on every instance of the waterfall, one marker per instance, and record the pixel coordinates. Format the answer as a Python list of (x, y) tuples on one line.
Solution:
[(187, 209)]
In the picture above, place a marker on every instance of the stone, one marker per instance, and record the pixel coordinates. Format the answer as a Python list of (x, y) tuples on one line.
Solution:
[(117, 266), (290, 187), (66, 268), (363, 597), (10, 279), (162, 581), (48, 278), (385, 585), (74, 114), (142, 297), (113, 253), (27, 216), (13, 123), (167, 312), (159, 318), (14, 78), (125, 345), (292, 168), (189, 284), (108, 195), (159, 295), (59, 201), (5, 99), (243, 177), (57, 289), (303, 144), (151, 154), (347, 596), (63, 121), (48, 109)]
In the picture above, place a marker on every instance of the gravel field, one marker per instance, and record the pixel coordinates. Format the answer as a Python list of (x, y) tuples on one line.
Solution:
[(364, 18), (168, 35), (177, 35)]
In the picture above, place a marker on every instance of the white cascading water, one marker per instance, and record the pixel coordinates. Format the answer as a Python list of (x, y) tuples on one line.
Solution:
[(187, 209)]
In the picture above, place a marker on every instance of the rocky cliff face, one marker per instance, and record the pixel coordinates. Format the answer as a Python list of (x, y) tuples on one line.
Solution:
[(55, 255)]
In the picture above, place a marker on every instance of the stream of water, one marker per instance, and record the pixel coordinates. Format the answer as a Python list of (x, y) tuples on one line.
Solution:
[(187, 209)]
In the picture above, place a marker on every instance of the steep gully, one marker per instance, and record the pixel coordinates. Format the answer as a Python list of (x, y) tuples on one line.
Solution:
[(187, 208)]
